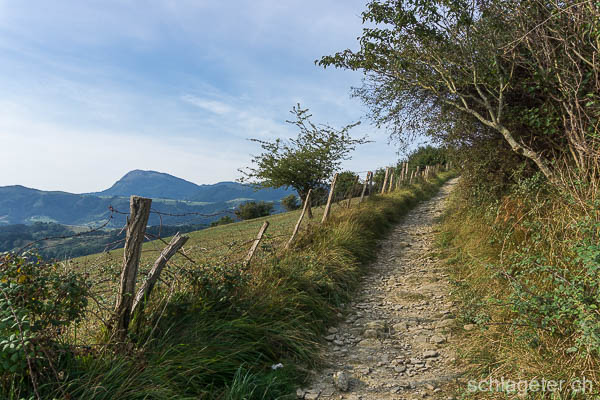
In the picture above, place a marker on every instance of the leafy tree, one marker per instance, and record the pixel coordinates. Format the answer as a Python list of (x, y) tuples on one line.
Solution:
[(426, 155), (224, 220), (252, 209), (306, 162), (290, 202), (378, 178), (344, 185), (521, 71)]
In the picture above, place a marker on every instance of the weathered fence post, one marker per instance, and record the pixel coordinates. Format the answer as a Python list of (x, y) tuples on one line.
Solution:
[(352, 189), (297, 227), (329, 199), (136, 228), (364, 189), (261, 232), (370, 184), (308, 205), (385, 180), (165, 255), (391, 185)]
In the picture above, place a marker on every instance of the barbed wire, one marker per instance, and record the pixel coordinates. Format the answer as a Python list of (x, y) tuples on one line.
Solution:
[(79, 234)]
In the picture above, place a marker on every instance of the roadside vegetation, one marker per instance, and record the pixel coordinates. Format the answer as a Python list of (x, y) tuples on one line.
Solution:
[(216, 331)]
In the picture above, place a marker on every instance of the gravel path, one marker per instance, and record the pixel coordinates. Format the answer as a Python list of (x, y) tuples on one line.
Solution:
[(395, 342)]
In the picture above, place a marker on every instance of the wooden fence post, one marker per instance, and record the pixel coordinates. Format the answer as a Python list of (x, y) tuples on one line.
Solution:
[(297, 227), (402, 175), (352, 191), (165, 255), (391, 185), (364, 189), (308, 206), (329, 199), (136, 228), (261, 232), (385, 180)]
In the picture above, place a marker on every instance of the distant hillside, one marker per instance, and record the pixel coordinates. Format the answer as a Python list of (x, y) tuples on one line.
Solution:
[(22, 205), (160, 185)]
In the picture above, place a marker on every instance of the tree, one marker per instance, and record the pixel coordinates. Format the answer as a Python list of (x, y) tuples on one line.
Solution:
[(426, 155), (306, 162), (290, 203), (252, 209), (518, 69), (345, 184)]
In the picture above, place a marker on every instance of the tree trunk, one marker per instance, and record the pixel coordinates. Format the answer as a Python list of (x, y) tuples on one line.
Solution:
[(304, 198)]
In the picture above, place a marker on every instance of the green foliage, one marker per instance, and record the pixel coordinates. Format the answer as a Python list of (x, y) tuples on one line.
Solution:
[(306, 162), (224, 220), (345, 185), (426, 156), (290, 203), (469, 72), (252, 209), (526, 270), (217, 282), (37, 302), (562, 298)]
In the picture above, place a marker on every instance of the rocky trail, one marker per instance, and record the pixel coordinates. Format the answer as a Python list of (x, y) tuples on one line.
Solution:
[(395, 341)]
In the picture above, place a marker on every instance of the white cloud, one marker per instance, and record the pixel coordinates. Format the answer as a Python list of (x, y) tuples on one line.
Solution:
[(183, 83), (213, 106)]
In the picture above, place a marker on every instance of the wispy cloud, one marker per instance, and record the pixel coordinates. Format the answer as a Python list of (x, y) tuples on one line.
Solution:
[(213, 106), (186, 82)]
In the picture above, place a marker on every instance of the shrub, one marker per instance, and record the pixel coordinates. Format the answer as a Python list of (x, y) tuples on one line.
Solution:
[(223, 221), (252, 209), (290, 203), (38, 300)]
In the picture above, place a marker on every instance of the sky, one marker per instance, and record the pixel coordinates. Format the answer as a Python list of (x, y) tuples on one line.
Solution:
[(90, 90)]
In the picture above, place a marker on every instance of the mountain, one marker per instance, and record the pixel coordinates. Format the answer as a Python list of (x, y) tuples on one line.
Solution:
[(151, 184), (158, 185), (22, 205)]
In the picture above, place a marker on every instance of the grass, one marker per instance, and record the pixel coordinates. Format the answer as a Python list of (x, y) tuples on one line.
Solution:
[(214, 330), (492, 252)]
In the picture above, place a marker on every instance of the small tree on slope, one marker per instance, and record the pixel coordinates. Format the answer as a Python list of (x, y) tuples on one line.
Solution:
[(306, 162)]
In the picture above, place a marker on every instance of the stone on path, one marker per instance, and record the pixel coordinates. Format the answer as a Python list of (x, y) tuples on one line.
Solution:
[(341, 381)]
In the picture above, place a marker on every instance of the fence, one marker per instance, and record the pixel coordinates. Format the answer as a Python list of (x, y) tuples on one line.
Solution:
[(113, 275)]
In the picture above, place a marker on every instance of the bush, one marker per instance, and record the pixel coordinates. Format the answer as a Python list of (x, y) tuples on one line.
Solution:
[(290, 203), (38, 301), (252, 209), (223, 221)]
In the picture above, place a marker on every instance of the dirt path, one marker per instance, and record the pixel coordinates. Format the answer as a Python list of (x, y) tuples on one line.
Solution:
[(395, 342)]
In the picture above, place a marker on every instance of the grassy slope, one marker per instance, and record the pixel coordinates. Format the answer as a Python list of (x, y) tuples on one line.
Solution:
[(216, 334), (480, 246)]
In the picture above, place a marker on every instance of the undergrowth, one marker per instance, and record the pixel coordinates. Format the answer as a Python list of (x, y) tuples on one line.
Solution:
[(525, 270), (222, 333)]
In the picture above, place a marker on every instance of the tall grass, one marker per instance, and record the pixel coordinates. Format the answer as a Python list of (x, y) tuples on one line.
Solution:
[(220, 333), (525, 271)]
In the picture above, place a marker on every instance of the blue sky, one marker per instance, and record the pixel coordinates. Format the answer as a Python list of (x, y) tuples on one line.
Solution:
[(92, 89)]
